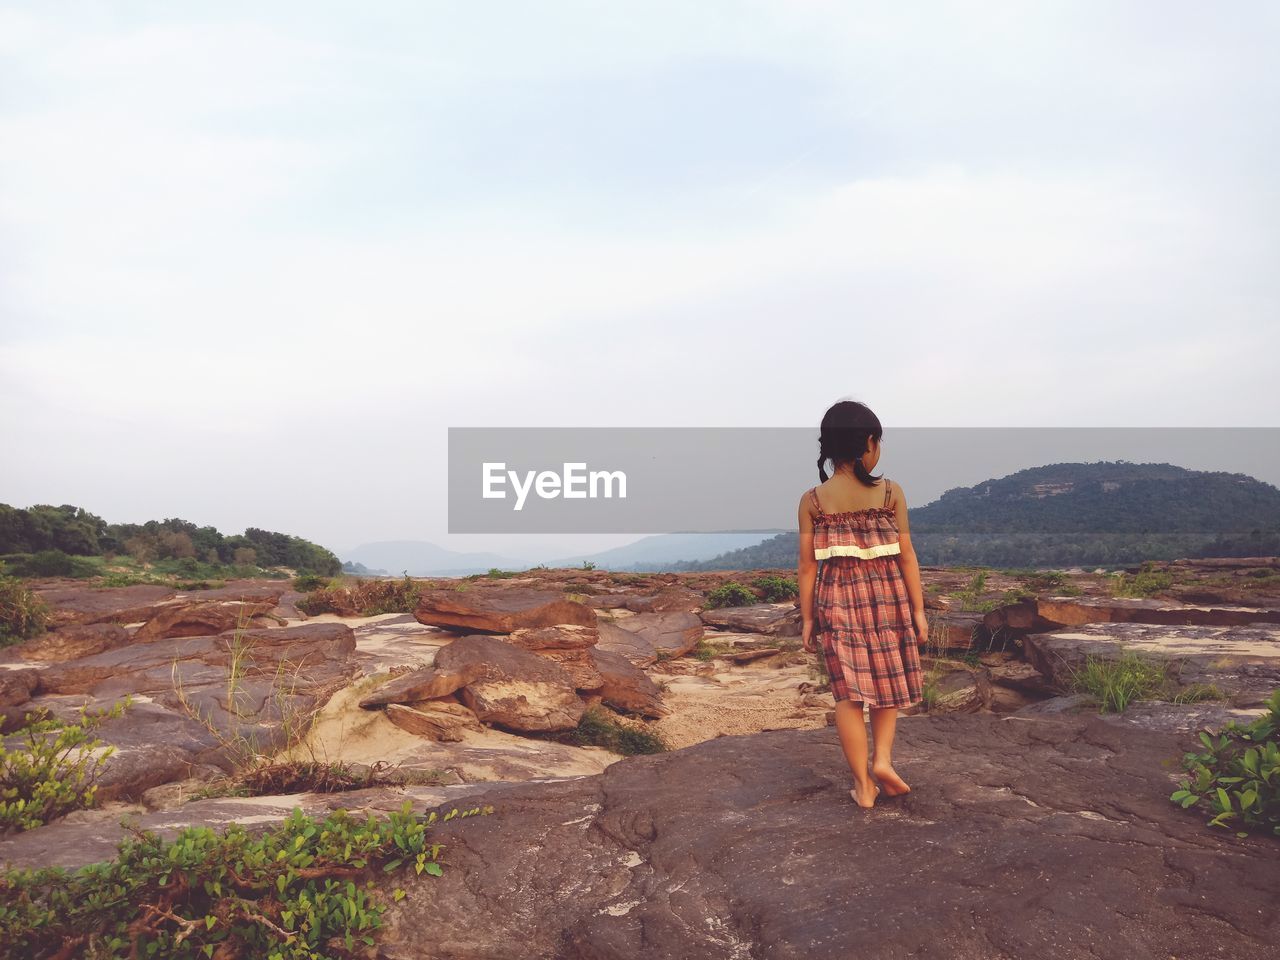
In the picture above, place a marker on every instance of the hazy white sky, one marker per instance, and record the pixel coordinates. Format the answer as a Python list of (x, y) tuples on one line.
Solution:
[(255, 259)]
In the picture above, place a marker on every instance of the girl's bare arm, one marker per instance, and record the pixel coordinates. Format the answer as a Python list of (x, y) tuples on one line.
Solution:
[(807, 566), (907, 561)]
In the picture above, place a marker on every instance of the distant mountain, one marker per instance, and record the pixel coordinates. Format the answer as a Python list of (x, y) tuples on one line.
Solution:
[(423, 559), (1109, 512), (661, 551)]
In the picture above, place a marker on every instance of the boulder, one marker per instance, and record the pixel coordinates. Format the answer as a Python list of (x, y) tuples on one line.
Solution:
[(565, 636), (73, 641), (956, 631), (1076, 611), (518, 689), (441, 720), (204, 618), (772, 619), (673, 599), (642, 637), (17, 684), (77, 603), (957, 687), (282, 675), (1019, 675), (1242, 662), (569, 646), (626, 687), (153, 744), (1055, 822), (424, 684), (499, 610)]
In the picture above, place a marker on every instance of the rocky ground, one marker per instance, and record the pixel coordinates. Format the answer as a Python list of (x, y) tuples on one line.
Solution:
[(1035, 827)]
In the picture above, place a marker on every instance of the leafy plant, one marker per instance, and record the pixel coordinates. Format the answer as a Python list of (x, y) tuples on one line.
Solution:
[(50, 767), (730, 594), (310, 581), (365, 598), (599, 728), (968, 598), (1146, 582), (22, 613), (305, 889), (775, 589), (1237, 775), (1115, 683)]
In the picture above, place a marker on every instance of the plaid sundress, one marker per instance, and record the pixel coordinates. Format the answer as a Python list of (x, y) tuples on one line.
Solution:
[(862, 612)]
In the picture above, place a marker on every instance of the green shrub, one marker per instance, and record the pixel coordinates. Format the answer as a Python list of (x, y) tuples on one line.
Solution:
[(336, 600), (310, 581), (366, 598), (1147, 582), (51, 563), (1115, 683), (387, 596), (22, 613), (599, 728), (49, 768), (305, 889), (1237, 776), (776, 589), (731, 594)]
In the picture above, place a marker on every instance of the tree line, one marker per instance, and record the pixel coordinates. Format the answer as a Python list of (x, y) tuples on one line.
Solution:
[(75, 531)]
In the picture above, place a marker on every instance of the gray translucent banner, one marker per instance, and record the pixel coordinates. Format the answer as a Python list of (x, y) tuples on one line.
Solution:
[(549, 480)]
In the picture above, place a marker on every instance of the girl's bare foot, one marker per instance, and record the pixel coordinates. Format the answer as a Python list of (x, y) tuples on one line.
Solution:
[(865, 793), (893, 785)]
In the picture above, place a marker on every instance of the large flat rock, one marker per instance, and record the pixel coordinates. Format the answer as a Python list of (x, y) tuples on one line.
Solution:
[(79, 603), (499, 610), (1021, 838), (1075, 611), (774, 619), (1243, 662), (283, 675), (643, 636)]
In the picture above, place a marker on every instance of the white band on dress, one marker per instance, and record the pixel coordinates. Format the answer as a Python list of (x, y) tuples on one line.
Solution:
[(850, 550)]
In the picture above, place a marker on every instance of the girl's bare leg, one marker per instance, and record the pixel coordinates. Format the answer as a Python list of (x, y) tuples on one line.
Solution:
[(884, 722), (853, 739)]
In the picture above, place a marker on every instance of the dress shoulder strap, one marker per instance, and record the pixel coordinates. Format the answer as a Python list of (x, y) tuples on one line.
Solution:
[(887, 481), (813, 495)]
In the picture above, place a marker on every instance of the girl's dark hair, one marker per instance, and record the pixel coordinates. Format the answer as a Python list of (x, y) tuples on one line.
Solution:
[(846, 428)]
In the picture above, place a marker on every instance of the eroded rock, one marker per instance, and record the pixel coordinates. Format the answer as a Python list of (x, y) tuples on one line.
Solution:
[(204, 618), (699, 861), (517, 689), (498, 610), (642, 637), (1242, 662), (626, 687), (441, 720), (73, 641), (771, 619)]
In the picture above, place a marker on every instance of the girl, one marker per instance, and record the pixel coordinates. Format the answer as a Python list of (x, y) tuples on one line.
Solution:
[(865, 605)]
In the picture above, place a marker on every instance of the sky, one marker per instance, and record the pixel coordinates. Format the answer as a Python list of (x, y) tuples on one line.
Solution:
[(256, 259)]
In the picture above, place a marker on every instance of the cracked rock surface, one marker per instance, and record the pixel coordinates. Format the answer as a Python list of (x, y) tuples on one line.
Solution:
[(1022, 838)]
